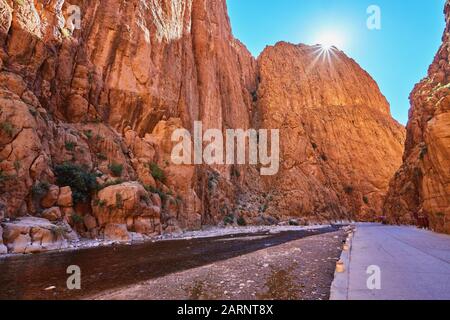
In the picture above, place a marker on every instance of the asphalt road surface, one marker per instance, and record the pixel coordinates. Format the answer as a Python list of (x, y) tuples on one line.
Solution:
[(412, 264)]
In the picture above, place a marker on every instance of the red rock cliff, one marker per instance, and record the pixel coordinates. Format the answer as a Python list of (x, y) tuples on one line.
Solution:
[(340, 145), (86, 117), (420, 192)]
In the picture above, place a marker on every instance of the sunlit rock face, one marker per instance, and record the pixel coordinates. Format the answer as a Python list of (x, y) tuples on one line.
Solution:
[(420, 192), (97, 105), (110, 94), (340, 145)]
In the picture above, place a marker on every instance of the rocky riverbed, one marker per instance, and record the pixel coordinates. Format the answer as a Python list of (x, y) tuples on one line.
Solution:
[(297, 270)]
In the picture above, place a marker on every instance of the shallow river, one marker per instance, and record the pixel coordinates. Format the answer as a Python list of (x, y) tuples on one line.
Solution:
[(104, 268)]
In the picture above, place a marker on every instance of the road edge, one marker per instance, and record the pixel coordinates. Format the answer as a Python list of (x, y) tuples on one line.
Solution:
[(340, 285)]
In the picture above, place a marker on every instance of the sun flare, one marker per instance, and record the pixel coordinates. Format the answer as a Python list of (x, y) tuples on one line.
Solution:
[(331, 38)]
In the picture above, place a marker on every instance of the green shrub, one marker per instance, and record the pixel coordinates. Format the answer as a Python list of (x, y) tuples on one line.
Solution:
[(39, 190), (33, 111), (81, 181), (348, 189), (423, 152), (58, 231), (264, 208), (70, 146), (100, 203), (102, 156), (65, 33), (17, 165), (88, 134), (157, 172), (229, 219), (157, 191), (440, 215), (3, 176), (8, 128), (116, 169), (241, 222), (77, 219), (366, 200), (235, 172), (213, 180)]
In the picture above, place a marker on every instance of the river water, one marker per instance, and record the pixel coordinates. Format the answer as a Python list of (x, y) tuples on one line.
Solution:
[(104, 268)]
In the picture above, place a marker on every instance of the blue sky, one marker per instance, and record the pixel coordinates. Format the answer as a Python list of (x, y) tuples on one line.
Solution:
[(397, 56)]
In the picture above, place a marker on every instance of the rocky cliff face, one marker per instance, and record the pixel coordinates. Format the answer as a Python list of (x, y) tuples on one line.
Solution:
[(95, 107), (420, 192), (339, 144), (86, 118)]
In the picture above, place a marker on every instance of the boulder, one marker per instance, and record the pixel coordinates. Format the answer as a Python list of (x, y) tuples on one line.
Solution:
[(32, 235), (123, 204), (52, 214), (65, 197), (117, 232), (50, 199), (90, 222)]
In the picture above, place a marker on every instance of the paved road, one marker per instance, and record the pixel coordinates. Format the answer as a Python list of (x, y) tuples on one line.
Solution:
[(414, 264)]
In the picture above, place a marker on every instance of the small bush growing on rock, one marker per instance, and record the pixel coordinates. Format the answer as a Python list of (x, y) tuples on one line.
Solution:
[(88, 134), (213, 180), (77, 219), (235, 172), (39, 190), (82, 182), (116, 169), (59, 231), (8, 128), (159, 192), (440, 215), (2, 176), (241, 222), (70, 146), (263, 208), (423, 152), (366, 200), (17, 165), (229, 219), (100, 203), (157, 172), (348, 189), (3, 179), (33, 111), (65, 33), (179, 200), (102, 156)]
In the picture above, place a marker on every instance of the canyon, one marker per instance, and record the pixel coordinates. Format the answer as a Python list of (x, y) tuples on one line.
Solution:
[(87, 116), (419, 193)]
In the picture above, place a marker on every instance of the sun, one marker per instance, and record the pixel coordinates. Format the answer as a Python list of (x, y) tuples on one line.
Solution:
[(331, 38)]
